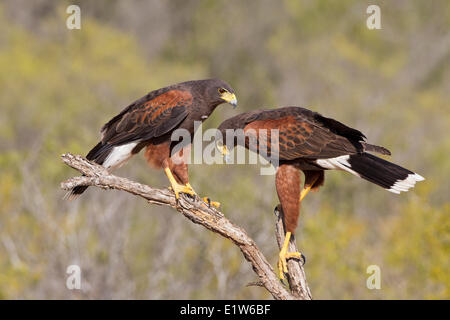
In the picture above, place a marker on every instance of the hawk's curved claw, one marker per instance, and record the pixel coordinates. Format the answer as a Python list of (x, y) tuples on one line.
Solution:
[(276, 211), (303, 258)]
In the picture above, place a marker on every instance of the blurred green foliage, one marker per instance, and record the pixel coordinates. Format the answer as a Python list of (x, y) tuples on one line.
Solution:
[(57, 87)]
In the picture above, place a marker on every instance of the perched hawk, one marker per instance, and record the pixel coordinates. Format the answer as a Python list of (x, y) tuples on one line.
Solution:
[(312, 143), (150, 121)]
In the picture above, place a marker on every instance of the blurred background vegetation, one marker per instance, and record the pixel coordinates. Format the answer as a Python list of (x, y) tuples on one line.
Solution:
[(58, 86)]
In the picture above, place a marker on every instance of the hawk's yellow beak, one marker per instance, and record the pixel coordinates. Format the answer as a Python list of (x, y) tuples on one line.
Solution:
[(230, 98), (223, 150), (225, 154)]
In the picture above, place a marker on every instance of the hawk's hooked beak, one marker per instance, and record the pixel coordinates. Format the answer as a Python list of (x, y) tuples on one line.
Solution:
[(230, 98), (224, 152)]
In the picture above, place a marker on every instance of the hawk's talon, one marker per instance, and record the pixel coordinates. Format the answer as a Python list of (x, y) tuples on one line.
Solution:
[(277, 210), (285, 255), (282, 261), (210, 203), (178, 188)]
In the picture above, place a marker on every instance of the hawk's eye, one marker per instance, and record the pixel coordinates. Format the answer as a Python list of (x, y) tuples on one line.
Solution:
[(221, 90)]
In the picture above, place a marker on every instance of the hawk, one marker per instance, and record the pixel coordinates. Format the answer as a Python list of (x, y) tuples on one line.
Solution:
[(150, 121), (312, 143)]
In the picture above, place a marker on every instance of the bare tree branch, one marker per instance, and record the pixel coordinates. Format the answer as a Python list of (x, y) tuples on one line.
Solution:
[(198, 212)]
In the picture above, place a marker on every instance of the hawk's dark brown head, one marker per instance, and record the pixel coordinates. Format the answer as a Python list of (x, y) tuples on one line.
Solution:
[(235, 125), (214, 91)]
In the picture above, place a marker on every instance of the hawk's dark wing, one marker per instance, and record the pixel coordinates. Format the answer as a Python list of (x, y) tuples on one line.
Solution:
[(304, 134), (151, 116)]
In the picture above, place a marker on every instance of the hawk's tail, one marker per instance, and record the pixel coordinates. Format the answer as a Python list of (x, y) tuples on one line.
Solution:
[(386, 174), (376, 170), (98, 154)]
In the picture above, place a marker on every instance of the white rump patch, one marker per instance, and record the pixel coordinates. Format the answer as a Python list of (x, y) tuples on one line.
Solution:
[(338, 163), (119, 155), (405, 184)]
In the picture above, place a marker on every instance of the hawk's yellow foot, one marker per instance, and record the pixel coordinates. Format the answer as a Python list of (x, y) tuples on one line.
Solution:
[(179, 188), (211, 203), (284, 255), (207, 199)]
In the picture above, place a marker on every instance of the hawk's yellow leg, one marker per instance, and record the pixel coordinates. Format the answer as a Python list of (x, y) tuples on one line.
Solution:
[(304, 193), (178, 188), (284, 255), (307, 189)]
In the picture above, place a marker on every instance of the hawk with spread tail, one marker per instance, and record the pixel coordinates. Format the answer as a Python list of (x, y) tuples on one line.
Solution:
[(149, 122), (312, 143)]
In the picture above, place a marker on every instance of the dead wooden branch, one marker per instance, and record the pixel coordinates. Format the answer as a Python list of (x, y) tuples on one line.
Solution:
[(196, 211)]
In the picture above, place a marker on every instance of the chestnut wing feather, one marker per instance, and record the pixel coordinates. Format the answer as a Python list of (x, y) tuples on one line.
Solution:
[(149, 117)]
